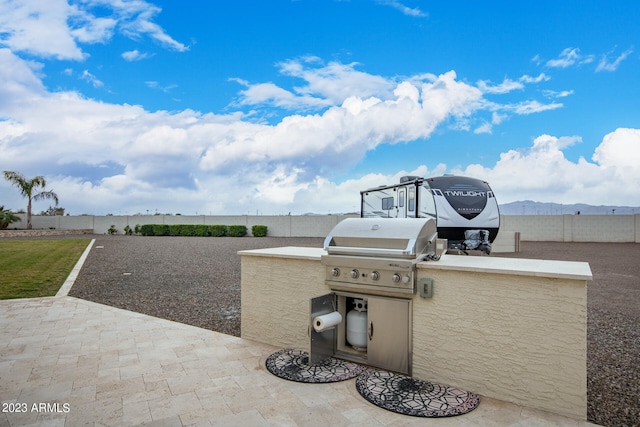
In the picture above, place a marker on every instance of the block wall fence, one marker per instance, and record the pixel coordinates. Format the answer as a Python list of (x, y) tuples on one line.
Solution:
[(553, 228)]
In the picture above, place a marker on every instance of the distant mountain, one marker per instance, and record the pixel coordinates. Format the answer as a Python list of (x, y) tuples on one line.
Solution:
[(529, 207)]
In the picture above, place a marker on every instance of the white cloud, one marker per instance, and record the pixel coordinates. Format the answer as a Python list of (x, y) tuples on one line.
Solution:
[(335, 82), (107, 158), (509, 85), (497, 118), (409, 11), (542, 77), (152, 84), (194, 152), (620, 149), (92, 29), (43, 31), (483, 128), (606, 65), (134, 55), (54, 28), (536, 59), (569, 57), (531, 107), (572, 56), (554, 94), (10, 129), (543, 173), (281, 186), (341, 85), (90, 78), (136, 19), (18, 79), (505, 87), (269, 93)]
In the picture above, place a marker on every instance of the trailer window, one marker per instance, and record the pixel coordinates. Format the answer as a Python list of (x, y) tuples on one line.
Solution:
[(401, 198), (412, 199), (387, 203)]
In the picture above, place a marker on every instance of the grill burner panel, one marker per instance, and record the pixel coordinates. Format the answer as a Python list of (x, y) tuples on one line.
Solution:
[(363, 273), (376, 254)]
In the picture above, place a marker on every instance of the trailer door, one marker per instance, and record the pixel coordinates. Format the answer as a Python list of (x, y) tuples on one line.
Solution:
[(402, 202), (411, 202)]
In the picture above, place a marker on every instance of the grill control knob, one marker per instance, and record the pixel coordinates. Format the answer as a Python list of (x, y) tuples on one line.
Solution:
[(395, 277), (405, 279), (355, 273), (335, 272), (375, 275)]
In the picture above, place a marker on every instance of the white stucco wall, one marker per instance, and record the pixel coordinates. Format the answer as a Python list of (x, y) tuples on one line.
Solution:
[(555, 228), (275, 297), (509, 329), (521, 339)]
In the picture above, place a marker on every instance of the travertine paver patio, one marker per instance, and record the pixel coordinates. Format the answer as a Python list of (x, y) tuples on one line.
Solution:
[(106, 366)]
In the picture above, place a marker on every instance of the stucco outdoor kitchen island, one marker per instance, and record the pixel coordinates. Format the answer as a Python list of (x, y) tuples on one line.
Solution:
[(510, 329)]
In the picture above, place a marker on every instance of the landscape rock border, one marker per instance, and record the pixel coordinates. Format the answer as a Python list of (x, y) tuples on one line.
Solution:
[(42, 233)]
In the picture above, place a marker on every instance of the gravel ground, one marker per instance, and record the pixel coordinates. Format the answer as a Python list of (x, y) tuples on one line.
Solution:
[(186, 279), (197, 281)]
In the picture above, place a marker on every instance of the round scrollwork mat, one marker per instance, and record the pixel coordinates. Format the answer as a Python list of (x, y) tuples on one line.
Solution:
[(409, 396), (293, 365)]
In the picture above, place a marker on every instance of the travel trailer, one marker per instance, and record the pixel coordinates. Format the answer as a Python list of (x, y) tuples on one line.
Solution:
[(464, 208)]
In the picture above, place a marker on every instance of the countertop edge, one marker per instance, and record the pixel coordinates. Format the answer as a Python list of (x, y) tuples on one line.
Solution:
[(292, 252), (573, 270)]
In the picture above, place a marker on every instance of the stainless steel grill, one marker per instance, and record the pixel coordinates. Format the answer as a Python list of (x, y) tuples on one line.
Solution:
[(377, 255)]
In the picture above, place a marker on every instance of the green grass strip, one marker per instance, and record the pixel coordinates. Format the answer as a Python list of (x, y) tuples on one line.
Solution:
[(37, 268)]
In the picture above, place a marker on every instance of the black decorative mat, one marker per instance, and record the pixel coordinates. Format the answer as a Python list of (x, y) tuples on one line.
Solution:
[(409, 396), (293, 365)]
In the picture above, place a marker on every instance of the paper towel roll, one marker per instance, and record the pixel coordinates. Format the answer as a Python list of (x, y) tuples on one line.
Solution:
[(327, 321)]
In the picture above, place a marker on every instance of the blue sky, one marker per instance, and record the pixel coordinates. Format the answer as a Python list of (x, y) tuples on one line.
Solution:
[(295, 106)]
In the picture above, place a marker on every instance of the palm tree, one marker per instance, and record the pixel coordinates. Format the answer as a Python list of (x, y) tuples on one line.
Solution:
[(27, 188)]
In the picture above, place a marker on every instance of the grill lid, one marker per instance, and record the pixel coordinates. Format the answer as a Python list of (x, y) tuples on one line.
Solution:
[(383, 237)]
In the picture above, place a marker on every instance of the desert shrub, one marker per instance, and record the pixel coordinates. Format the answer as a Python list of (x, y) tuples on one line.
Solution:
[(201, 230), (127, 230), (146, 230), (112, 229), (237, 231), (182, 230), (259, 230), (161, 230), (218, 230), (175, 230)]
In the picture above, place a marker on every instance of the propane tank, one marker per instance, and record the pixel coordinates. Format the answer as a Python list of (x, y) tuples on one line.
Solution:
[(357, 325)]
